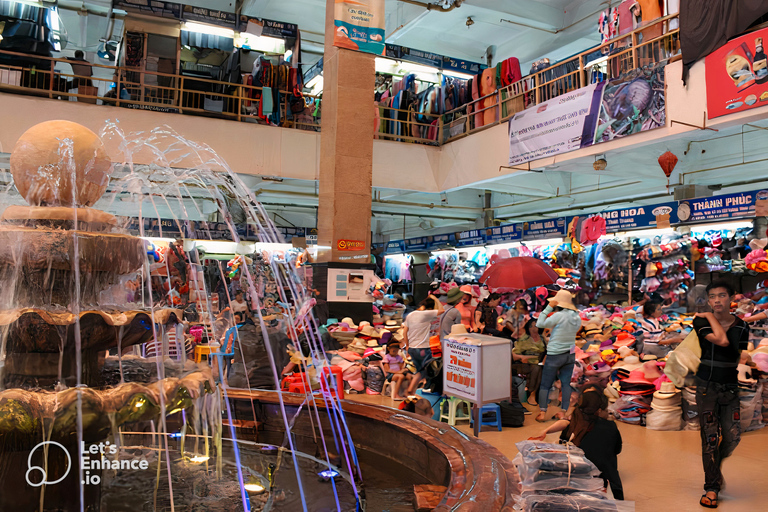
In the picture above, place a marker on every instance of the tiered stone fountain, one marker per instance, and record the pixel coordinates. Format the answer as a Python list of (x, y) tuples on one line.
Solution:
[(56, 256)]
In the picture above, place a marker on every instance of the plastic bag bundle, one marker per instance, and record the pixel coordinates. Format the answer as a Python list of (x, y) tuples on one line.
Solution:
[(664, 420), (551, 502), (546, 467)]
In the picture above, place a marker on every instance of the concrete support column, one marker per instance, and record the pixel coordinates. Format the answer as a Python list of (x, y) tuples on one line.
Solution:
[(346, 149)]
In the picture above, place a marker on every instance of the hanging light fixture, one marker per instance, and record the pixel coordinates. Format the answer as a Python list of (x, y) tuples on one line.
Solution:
[(600, 164), (668, 161)]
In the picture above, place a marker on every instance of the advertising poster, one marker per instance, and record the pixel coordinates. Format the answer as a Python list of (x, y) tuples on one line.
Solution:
[(590, 115), (737, 75), (553, 127), (460, 376), (360, 25), (635, 103)]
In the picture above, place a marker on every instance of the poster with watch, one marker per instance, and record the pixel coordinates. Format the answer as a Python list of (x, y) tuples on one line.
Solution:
[(737, 75)]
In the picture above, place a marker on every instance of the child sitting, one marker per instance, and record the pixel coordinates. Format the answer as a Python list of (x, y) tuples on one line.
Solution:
[(394, 367)]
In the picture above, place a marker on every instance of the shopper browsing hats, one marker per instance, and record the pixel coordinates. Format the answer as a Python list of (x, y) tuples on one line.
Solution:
[(562, 317), (598, 437), (451, 316), (418, 327), (722, 337), (466, 308)]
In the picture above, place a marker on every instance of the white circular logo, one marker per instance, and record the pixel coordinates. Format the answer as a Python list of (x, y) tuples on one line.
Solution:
[(32, 468)]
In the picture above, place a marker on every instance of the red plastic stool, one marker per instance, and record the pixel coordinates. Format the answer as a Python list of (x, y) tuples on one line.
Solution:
[(296, 378), (297, 387), (325, 384)]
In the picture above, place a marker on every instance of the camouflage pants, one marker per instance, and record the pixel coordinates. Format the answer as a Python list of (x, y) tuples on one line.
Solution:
[(719, 418)]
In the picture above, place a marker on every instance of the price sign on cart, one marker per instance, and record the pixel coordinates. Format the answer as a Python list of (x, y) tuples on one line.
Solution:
[(461, 367)]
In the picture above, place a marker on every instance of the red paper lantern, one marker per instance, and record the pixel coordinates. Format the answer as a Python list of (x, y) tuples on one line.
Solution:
[(667, 162)]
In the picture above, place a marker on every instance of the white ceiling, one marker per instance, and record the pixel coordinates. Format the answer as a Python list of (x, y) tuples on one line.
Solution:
[(552, 28)]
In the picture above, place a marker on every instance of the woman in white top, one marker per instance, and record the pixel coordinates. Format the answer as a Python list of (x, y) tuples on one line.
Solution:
[(418, 327)]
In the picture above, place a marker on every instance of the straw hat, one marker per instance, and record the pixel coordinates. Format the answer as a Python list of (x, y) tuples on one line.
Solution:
[(564, 299), (667, 390), (398, 336), (349, 323), (458, 330), (368, 330), (358, 345), (624, 351), (372, 344)]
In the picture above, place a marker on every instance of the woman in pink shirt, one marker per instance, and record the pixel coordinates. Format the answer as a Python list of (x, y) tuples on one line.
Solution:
[(466, 308)]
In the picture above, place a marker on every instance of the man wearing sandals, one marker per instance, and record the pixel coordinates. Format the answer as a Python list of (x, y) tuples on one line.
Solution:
[(722, 337)]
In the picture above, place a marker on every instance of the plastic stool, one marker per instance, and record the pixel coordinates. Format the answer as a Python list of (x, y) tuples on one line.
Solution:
[(453, 405), (496, 422), (325, 382)]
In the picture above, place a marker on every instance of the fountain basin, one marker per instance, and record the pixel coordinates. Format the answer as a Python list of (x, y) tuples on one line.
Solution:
[(476, 475)]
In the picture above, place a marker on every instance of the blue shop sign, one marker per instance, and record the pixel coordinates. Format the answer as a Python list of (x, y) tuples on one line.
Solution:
[(462, 66), (395, 246), (544, 229), (421, 57), (504, 234), (416, 244), (437, 242), (639, 217), (469, 238), (731, 206)]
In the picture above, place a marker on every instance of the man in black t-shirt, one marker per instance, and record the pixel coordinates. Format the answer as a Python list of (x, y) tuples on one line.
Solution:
[(722, 337)]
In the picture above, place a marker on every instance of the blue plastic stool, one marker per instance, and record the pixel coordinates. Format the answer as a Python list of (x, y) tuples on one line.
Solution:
[(489, 408), (231, 334)]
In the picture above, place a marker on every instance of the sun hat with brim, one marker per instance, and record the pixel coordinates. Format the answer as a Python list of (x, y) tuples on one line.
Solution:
[(581, 355), (458, 330), (349, 323), (372, 343), (564, 299), (373, 350), (629, 363), (651, 370), (624, 339), (637, 377), (594, 332), (624, 351), (665, 407), (398, 336), (469, 290), (358, 345), (667, 390), (368, 330), (594, 348), (454, 295)]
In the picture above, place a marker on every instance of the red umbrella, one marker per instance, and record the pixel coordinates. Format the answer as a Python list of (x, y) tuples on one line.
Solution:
[(519, 273)]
